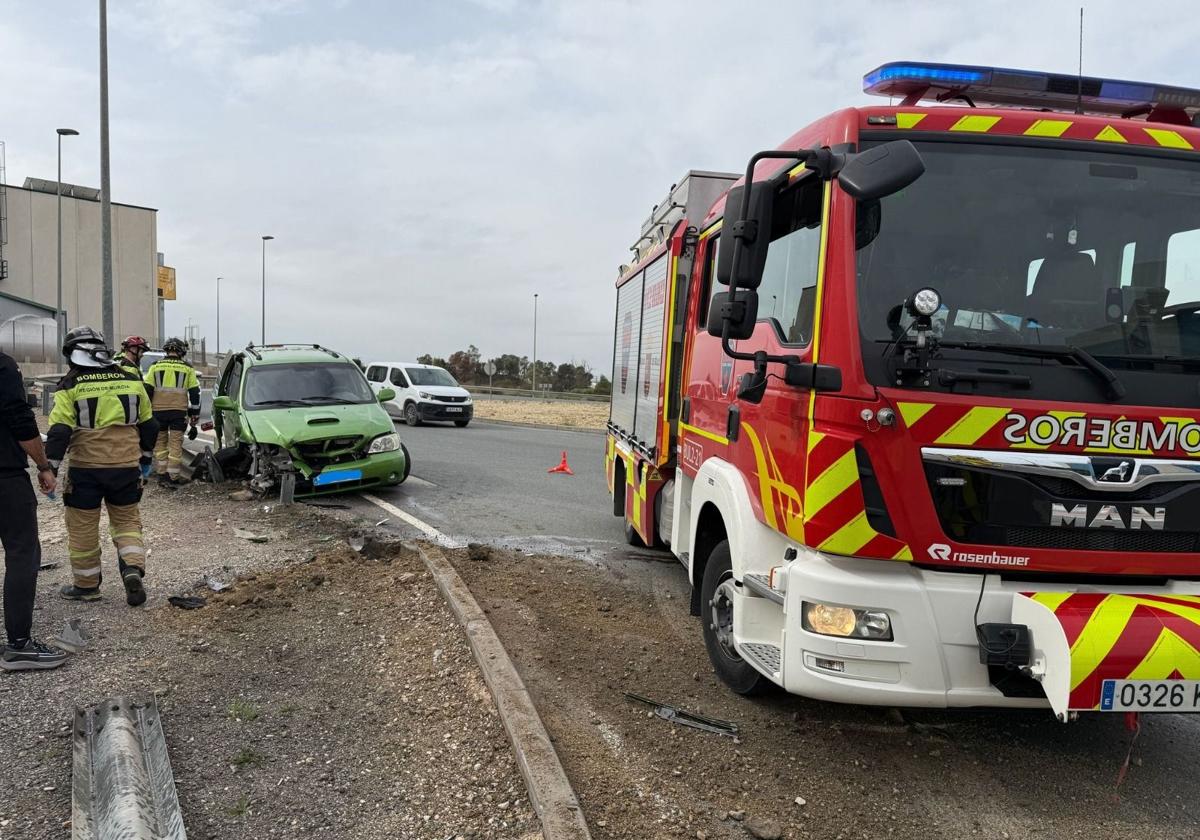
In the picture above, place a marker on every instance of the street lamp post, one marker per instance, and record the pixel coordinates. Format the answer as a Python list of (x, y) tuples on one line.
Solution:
[(264, 289), (106, 272), (534, 388), (218, 319), (58, 314)]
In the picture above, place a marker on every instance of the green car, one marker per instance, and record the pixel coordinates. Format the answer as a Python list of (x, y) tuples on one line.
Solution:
[(303, 418)]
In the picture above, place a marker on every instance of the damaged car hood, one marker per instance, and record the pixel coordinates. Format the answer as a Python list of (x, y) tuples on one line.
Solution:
[(287, 426)]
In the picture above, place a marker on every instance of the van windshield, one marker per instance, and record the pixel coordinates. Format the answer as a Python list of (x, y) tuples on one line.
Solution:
[(429, 376), (292, 385), (1038, 245)]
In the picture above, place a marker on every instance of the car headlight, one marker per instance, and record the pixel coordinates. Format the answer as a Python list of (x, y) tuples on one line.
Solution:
[(424, 396), (384, 443), (846, 622)]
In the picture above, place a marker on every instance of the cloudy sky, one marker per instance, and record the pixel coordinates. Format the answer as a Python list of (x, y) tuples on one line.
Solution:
[(427, 167)]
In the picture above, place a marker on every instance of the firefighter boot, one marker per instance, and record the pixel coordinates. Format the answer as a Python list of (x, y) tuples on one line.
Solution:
[(161, 453), (83, 546), (175, 456), (125, 528)]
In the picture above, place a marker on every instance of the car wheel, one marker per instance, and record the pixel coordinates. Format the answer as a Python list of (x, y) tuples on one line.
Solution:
[(462, 424), (716, 612), (407, 463), (412, 414)]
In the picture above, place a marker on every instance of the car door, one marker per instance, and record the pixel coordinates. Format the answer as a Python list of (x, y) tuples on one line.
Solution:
[(228, 421), (400, 384)]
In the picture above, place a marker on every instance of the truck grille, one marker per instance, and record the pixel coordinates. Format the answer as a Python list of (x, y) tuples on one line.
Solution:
[(1079, 539)]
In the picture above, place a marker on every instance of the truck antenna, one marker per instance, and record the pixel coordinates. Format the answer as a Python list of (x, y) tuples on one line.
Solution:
[(1079, 84)]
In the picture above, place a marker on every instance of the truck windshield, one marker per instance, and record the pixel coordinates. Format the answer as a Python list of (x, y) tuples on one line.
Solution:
[(295, 385), (1038, 245)]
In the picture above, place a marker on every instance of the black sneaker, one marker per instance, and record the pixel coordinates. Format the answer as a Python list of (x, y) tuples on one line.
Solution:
[(31, 656), (79, 593), (135, 593)]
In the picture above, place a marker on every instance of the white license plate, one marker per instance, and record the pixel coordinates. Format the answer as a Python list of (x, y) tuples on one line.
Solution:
[(453, 408), (1150, 696)]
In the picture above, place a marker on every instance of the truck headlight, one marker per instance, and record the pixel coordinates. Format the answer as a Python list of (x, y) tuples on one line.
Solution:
[(846, 622), (384, 443)]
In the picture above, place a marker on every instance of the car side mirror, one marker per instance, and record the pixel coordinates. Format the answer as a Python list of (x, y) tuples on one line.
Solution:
[(881, 171), (742, 314), (751, 236), (223, 404), (386, 395)]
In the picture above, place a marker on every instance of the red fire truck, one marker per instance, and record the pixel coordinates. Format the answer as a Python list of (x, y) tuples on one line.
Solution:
[(915, 399)]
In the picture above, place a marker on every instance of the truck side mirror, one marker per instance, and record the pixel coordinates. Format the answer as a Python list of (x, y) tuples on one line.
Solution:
[(881, 171), (751, 235), (742, 314)]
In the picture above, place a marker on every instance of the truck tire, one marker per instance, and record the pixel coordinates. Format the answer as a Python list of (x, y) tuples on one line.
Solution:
[(412, 414), (632, 536), (716, 613)]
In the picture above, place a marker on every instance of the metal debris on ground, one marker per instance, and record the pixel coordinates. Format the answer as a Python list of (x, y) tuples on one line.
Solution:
[(217, 585), (674, 714), (327, 505), (357, 543), (243, 495), (187, 602), (45, 567), (122, 785), (72, 638), (250, 536)]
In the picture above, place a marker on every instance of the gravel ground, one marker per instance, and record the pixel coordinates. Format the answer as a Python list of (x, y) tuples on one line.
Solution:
[(583, 415), (329, 692), (582, 634)]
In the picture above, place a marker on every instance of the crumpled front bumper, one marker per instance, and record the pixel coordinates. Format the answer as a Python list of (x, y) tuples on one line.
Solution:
[(1082, 639)]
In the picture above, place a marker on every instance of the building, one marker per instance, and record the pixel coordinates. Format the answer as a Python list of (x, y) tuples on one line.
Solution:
[(28, 268)]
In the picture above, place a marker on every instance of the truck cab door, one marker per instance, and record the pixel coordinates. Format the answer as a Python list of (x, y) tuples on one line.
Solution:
[(709, 376)]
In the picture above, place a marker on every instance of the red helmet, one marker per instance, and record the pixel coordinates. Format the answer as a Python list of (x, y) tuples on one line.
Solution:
[(134, 342)]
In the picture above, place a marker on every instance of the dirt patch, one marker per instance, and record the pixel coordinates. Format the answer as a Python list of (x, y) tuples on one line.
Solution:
[(582, 635), (576, 414), (328, 692)]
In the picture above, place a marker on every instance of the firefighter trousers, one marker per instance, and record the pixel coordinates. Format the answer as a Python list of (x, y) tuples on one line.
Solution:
[(168, 450), (120, 490)]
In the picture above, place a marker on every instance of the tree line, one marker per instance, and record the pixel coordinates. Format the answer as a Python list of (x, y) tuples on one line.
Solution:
[(514, 371)]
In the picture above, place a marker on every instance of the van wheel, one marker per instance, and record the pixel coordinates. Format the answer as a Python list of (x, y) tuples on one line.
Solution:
[(716, 611), (462, 424), (412, 415)]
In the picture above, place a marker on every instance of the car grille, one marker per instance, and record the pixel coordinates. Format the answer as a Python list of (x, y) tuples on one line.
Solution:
[(327, 451), (440, 398)]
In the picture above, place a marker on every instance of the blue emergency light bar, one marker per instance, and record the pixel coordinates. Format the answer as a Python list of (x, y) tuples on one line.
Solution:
[(916, 81)]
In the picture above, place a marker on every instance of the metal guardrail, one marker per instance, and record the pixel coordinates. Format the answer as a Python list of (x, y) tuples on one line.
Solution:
[(525, 393)]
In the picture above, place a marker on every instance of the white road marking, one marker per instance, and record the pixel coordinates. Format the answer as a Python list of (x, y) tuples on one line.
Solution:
[(420, 482), (424, 527)]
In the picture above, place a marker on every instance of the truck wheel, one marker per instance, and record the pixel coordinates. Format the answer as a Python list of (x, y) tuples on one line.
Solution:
[(412, 414), (716, 598), (632, 536)]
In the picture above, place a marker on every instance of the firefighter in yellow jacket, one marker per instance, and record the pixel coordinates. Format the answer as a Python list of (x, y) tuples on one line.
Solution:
[(102, 419), (175, 392)]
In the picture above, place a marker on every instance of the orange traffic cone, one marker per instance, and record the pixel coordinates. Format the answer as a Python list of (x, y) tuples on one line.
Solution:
[(563, 466)]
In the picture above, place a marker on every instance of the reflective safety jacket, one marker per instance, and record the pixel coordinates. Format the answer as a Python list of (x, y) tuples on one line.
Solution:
[(175, 386), (132, 368), (102, 417)]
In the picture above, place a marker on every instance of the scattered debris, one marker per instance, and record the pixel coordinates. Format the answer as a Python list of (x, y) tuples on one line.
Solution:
[(801, 801), (327, 505), (187, 602), (478, 551), (52, 564), (243, 495), (764, 829), (216, 585), (674, 714), (72, 638), (380, 522), (357, 543), (250, 536)]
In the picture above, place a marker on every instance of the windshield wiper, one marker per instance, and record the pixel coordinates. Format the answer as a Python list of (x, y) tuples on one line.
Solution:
[(1114, 387), (321, 398), (277, 402)]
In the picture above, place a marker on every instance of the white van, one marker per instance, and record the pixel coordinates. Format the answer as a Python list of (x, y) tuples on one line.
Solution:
[(423, 392)]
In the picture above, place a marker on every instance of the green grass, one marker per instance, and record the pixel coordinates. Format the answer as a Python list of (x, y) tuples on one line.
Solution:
[(239, 808), (288, 710), (243, 710), (248, 757)]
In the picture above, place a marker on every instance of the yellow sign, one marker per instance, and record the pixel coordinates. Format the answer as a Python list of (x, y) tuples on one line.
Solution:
[(166, 282)]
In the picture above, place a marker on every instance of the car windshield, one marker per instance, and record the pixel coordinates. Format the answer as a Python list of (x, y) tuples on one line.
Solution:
[(429, 376), (290, 385), (1033, 245)]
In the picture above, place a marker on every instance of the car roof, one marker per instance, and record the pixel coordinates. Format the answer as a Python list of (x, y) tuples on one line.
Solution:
[(292, 355), (402, 364)]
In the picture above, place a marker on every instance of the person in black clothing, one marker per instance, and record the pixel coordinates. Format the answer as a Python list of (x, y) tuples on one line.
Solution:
[(19, 441)]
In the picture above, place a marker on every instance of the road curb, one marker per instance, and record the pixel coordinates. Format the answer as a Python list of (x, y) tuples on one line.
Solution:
[(549, 788), (520, 425)]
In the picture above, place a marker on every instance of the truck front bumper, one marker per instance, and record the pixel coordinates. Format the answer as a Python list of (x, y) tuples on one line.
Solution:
[(934, 657)]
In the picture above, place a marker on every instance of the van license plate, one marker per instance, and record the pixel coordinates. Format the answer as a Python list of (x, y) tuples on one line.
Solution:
[(337, 477), (453, 408), (1150, 696)]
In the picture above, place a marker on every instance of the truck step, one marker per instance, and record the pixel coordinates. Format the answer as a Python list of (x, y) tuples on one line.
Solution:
[(764, 657), (760, 585)]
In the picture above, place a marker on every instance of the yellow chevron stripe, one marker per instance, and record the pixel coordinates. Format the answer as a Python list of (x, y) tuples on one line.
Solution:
[(813, 439), (977, 124), (908, 120), (972, 426), (1169, 654), (903, 554), (1110, 135), (912, 412), (1104, 627), (1048, 128), (851, 537), (1051, 600), (1169, 139), (829, 485)]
